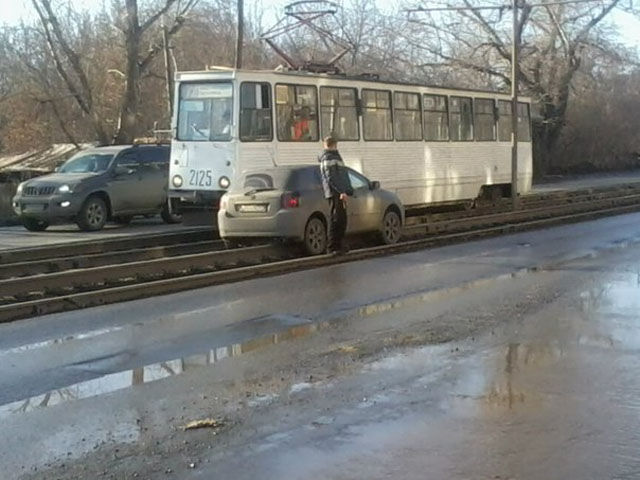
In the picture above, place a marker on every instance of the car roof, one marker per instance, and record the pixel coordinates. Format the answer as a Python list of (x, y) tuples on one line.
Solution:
[(119, 148), (280, 168)]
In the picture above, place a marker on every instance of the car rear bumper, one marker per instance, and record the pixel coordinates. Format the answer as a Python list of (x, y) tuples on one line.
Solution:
[(50, 208), (284, 224)]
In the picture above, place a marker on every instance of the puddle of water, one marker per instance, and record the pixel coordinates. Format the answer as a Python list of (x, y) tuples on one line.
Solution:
[(157, 371)]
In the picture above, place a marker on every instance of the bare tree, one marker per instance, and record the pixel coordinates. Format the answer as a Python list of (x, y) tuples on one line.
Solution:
[(555, 41), (136, 64), (73, 68)]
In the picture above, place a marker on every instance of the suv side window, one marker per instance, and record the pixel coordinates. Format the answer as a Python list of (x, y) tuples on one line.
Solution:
[(154, 158), (129, 160)]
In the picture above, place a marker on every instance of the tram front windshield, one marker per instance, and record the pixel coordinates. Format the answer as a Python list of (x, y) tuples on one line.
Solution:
[(205, 112)]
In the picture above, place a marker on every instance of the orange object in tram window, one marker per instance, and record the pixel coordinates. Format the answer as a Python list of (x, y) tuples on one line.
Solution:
[(301, 129)]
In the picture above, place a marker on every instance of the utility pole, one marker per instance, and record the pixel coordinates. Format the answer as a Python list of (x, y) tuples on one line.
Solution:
[(514, 106), (240, 34)]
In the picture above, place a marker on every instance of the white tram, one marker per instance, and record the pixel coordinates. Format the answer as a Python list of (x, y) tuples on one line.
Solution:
[(427, 144)]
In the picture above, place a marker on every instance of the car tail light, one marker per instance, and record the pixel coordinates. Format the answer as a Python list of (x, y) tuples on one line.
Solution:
[(291, 200)]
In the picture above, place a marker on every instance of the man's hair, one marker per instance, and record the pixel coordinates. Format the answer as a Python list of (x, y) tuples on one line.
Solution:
[(330, 141)]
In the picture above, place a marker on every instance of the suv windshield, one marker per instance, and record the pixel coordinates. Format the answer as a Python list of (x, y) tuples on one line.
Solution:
[(204, 112), (86, 163)]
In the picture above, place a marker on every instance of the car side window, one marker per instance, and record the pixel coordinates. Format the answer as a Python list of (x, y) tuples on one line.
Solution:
[(154, 158), (128, 160), (357, 180)]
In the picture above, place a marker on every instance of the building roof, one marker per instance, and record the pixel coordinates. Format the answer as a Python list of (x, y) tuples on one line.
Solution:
[(44, 160)]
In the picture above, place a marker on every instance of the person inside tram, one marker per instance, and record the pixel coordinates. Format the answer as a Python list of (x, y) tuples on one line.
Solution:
[(301, 129)]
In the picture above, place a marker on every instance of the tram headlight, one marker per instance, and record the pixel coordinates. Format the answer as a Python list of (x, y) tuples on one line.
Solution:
[(176, 181), (224, 182)]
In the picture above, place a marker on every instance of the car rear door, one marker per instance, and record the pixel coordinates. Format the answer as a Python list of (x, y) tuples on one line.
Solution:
[(154, 172), (125, 188)]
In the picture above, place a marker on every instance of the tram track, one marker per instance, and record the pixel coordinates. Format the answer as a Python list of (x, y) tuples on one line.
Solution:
[(95, 284)]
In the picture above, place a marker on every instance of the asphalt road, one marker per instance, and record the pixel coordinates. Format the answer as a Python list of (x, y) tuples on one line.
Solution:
[(512, 357)]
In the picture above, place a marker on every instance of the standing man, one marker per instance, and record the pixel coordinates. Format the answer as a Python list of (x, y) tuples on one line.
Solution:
[(336, 185)]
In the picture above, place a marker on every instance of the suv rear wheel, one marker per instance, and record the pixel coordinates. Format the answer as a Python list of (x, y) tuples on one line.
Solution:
[(93, 214), (315, 236), (168, 213), (35, 225)]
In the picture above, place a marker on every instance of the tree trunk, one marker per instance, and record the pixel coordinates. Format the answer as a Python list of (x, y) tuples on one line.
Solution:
[(127, 127)]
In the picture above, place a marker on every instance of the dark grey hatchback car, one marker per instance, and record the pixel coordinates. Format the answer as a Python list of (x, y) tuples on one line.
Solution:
[(96, 185)]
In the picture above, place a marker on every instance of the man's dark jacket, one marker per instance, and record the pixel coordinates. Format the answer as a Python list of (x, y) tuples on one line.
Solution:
[(335, 178)]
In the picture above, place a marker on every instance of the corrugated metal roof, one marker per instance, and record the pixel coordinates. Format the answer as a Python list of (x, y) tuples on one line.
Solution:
[(40, 160)]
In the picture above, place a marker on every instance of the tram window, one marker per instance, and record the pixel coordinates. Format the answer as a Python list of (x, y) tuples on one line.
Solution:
[(204, 112), (297, 113), (504, 121), (484, 119), (255, 112), (338, 113), (436, 118), (407, 116), (460, 119), (376, 115), (524, 123)]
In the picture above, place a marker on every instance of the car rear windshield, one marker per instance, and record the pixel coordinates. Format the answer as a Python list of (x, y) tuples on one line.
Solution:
[(86, 163), (285, 180)]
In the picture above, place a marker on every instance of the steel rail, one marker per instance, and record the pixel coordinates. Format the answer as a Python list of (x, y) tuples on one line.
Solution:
[(152, 287), (107, 275), (88, 247), (52, 265), (82, 258)]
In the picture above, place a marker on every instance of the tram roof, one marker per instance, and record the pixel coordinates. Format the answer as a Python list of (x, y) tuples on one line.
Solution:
[(231, 73)]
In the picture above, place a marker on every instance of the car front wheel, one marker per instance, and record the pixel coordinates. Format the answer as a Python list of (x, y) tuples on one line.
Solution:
[(391, 227), (315, 236), (93, 214), (35, 225)]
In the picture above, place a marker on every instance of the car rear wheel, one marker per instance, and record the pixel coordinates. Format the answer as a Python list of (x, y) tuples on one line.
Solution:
[(315, 236), (35, 225), (391, 227), (168, 213), (93, 214)]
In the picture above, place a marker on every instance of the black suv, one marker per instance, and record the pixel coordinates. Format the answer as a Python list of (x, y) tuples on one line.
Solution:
[(99, 184)]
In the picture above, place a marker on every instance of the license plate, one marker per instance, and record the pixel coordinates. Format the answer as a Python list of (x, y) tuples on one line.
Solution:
[(251, 208), (33, 207)]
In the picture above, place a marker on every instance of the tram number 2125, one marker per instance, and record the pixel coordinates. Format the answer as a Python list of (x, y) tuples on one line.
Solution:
[(200, 178)]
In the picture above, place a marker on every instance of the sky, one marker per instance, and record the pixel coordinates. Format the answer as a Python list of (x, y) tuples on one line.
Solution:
[(13, 11)]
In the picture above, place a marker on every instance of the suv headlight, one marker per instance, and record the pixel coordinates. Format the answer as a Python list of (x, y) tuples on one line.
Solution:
[(19, 189), (64, 189)]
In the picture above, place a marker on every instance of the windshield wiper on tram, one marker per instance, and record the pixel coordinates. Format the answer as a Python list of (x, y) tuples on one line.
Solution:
[(256, 190), (205, 135)]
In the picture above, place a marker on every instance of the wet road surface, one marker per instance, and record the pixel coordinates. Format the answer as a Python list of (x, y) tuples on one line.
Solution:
[(555, 396), (550, 394), (54, 351)]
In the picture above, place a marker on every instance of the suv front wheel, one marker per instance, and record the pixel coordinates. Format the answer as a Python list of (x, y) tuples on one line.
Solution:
[(168, 213), (93, 214), (35, 225)]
